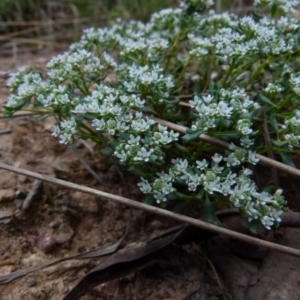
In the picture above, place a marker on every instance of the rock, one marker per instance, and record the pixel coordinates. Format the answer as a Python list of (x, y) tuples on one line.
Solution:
[(7, 195), (5, 216), (278, 277), (46, 243)]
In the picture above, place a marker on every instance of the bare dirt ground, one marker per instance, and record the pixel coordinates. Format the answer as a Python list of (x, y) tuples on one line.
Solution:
[(60, 223)]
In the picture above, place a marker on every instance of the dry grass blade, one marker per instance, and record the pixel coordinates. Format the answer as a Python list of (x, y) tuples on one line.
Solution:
[(156, 210), (95, 253), (203, 137), (20, 114), (46, 23)]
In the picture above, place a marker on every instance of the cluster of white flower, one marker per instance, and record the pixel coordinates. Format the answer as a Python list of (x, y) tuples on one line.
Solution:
[(291, 130), (245, 36), (195, 3), (273, 88), (295, 83), (241, 190), (73, 65), (234, 105), (136, 150), (25, 84), (286, 6), (65, 130), (147, 80)]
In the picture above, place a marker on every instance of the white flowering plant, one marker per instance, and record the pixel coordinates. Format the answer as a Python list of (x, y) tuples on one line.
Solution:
[(233, 78)]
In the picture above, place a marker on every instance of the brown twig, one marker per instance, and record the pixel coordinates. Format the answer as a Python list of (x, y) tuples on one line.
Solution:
[(21, 114), (156, 210), (32, 194), (4, 131), (216, 276), (47, 22)]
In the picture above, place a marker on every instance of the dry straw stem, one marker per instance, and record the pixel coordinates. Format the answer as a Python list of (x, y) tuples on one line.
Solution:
[(49, 22), (156, 210), (205, 138)]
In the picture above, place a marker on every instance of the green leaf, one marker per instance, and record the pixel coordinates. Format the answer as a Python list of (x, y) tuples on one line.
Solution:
[(182, 196), (287, 160), (175, 101), (136, 171), (89, 117), (180, 181), (209, 212), (270, 189), (163, 204), (107, 151), (227, 135), (253, 226), (124, 136), (178, 208), (225, 123), (279, 143), (22, 102), (146, 110), (172, 196), (201, 194), (189, 130), (191, 136), (266, 100), (182, 148), (153, 159), (70, 88), (274, 123), (150, 200), (274, 9)]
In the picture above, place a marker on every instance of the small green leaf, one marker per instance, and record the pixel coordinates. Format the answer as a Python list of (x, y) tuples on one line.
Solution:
[(136, 171), (163, 204), (270, 189), (201, 194), (274, 123), (192, 136), (209, 212), (150, 200), (89, 117), (172, 196), (107, 151), (175, 101), (253, 226), (287, 160), (189, 130), (70, 88), (146, 110), (227, 135), (182, 148), (20, 104), (178, 208), (225, 123), (182, 196), (124, 136), (274, 9), (153, 159), (279, 143), (266, 100)]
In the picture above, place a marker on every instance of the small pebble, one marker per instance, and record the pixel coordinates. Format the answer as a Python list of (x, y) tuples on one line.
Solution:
[(31, 283), (65, 290), (47, 244), (55, 224)]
